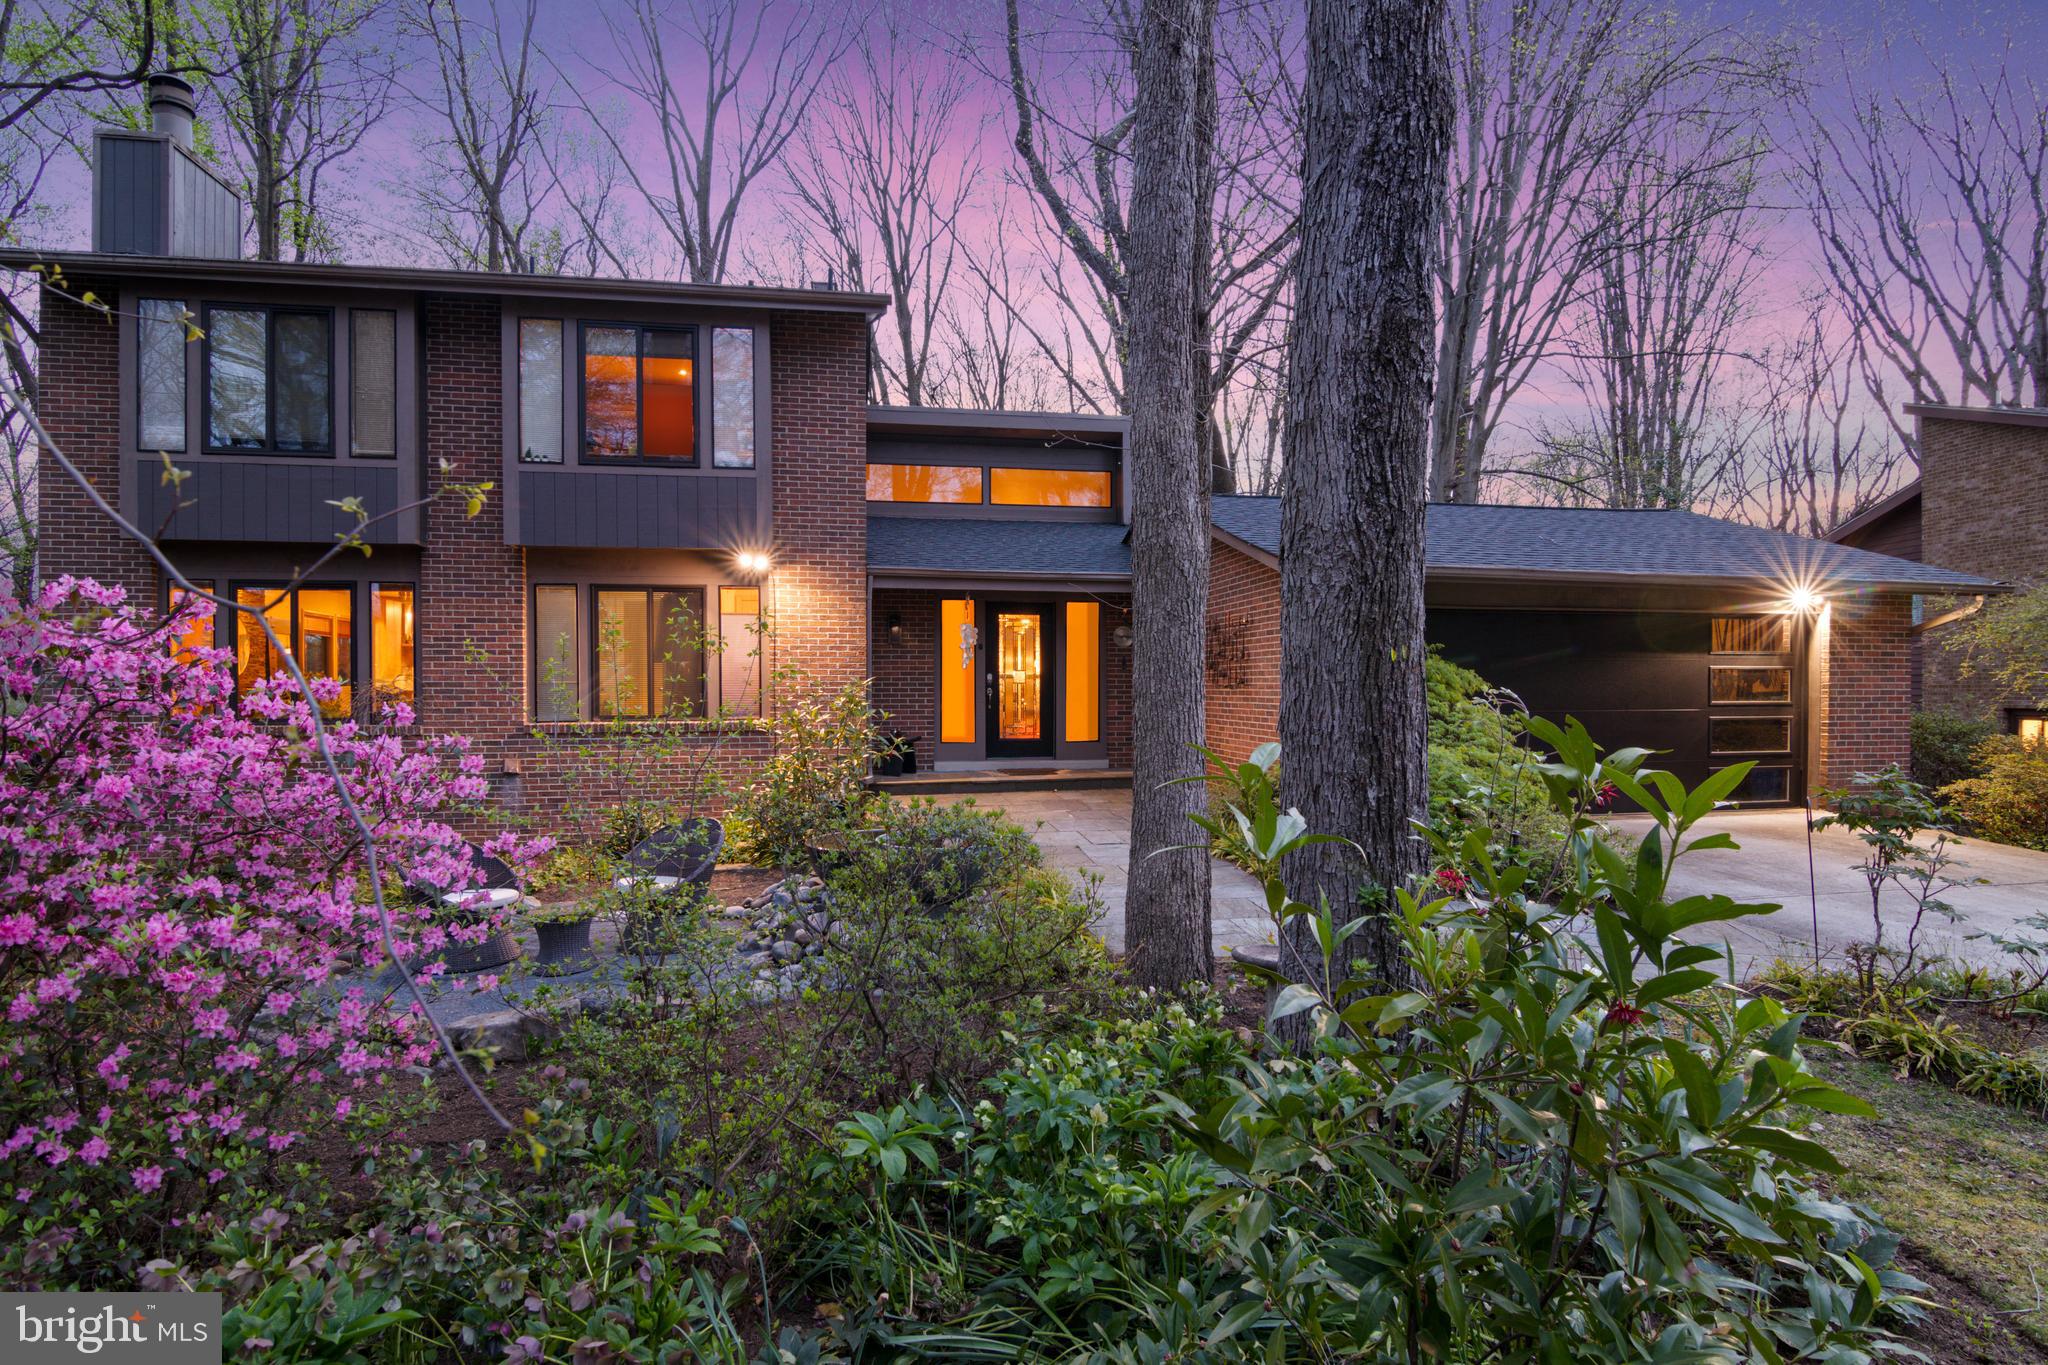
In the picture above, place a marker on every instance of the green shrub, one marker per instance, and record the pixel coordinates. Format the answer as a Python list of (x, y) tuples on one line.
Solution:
[(1945, 747), (2007, 802), (813, 781), (948, 921), (1567, 1141), (1480, 770)]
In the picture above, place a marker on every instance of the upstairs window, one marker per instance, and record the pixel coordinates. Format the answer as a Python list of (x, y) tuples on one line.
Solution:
[(639, 395), (269, 383), (160, 374), (924, 483), (1049, 487), (732, 397), (373, 383), (540, 390)]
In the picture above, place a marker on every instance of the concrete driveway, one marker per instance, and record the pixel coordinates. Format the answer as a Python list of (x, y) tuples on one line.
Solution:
[(1771, 865), (1087, 833)]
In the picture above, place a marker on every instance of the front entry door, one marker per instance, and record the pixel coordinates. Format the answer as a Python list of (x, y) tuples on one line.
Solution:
[(1020, 681)]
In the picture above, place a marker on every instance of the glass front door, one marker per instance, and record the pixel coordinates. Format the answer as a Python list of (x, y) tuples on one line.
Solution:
[(1019, 720)]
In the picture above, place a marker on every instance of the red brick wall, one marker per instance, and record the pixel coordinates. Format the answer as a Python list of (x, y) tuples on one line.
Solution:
[(80, 404), (1864, 679), (1984, 510), (1244, 642), (1116, 681)]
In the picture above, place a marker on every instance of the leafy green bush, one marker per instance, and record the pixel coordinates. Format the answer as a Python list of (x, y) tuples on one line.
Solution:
[(947, 920), (1480, 770), (2007, 802), (593, 1256), (1567, 1141), (1945, 747), (812, 782)]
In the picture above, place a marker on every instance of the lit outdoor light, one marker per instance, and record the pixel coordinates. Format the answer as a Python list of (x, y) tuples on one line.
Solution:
[(753, 561), (1802, 600)]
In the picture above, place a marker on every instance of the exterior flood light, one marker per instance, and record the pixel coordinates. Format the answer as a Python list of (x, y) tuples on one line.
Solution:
[(1802, 601), (753, 561)]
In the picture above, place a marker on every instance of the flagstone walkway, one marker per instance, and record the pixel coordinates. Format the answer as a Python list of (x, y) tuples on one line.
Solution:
[(1088, 834)]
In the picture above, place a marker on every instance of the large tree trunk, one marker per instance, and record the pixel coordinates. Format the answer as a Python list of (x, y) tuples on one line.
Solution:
[(1352, 720), (1167, 903)]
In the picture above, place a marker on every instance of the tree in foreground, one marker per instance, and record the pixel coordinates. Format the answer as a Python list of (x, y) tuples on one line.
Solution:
[(1167, 905), (186, 929), (1377, 115)]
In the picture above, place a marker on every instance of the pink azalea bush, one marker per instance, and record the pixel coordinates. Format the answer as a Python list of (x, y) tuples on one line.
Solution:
[(186, 930)]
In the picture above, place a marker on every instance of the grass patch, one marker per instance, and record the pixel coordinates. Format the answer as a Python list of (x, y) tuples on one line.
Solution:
[(1963, 1180)]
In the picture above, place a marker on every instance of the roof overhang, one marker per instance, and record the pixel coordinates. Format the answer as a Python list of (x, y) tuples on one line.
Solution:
[(1245, 547), (995, 582), (90, 264), (1956, 412), (1876, 512), (921, 421)]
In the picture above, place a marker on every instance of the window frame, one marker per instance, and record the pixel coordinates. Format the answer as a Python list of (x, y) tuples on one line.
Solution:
[(1714, 749), (269, 449), (519, 441), (699, 409), (759, 688), (369, 633), (353, 373), (1791, 685), (589, 625), (578, 712), (184, 378), (234, 587)]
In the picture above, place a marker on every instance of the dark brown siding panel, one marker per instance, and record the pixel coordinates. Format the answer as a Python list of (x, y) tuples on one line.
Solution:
[(637, 511), (129, 194), (286, 504)]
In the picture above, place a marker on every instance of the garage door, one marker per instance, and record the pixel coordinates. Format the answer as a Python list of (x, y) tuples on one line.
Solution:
[(1704, 690)]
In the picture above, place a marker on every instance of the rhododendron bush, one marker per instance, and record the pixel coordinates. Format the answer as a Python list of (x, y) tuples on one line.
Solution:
[(186, 927)]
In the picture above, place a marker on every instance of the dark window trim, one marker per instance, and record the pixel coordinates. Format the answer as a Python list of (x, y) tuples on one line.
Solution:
[(273, 585), (519, 445), (575, 625), (707, 380), (597, 711), (1715, 751), (185, 385), (353, 453), (698, 390), (412, 586), (755, 641), (1791, 684), (269, 447)]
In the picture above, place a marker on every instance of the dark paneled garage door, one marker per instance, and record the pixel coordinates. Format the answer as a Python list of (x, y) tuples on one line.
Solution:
[(1706, 690)]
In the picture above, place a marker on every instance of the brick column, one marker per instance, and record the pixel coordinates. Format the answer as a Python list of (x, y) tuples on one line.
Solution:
[(79, 369), (1863, 649)]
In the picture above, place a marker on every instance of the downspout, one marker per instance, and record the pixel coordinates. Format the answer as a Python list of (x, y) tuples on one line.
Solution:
[(1962, 613)]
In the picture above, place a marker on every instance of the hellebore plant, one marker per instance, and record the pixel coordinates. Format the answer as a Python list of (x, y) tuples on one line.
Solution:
[(182, 898)]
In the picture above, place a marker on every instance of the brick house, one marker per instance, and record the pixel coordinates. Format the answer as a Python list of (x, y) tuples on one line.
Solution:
[(692, 497), (1980, 506), (1708, 640)]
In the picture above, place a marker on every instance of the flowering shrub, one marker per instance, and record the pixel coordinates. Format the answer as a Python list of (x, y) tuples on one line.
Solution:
[(182, 899)]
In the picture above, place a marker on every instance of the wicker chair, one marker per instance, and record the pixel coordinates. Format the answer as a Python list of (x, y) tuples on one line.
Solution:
[(674, 857), (494, 888)]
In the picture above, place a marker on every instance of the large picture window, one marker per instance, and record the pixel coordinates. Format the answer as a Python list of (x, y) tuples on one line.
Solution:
[(160, 374), (639, 395), (316, 624), (269, 383), (649, 652)]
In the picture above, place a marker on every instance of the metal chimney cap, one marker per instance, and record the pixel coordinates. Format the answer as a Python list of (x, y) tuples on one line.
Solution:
[(172, 90)]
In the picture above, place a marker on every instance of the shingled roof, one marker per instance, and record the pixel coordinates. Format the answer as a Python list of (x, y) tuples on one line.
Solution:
[(1659, 546), (975, 545)]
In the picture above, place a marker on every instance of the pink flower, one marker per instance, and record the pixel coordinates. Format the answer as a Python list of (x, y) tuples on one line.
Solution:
[(147, 1178), (94, 1151)]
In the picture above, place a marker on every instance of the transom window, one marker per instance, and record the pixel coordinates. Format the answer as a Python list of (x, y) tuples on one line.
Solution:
[(999, 485), (639, 395), (269, 380)]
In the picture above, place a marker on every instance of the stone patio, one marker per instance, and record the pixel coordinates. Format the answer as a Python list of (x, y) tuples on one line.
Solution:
[(1088, 834)]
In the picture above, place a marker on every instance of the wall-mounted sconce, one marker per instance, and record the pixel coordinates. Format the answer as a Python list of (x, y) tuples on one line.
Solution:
[(1121, 637), (895, 624)]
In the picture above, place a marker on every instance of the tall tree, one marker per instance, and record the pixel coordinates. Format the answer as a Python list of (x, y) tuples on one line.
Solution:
[(485, 98), (1929, 205), (1377, 122), (1548, 94), (719, 88), (304, 83), (1167, 902), (882, 177)]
